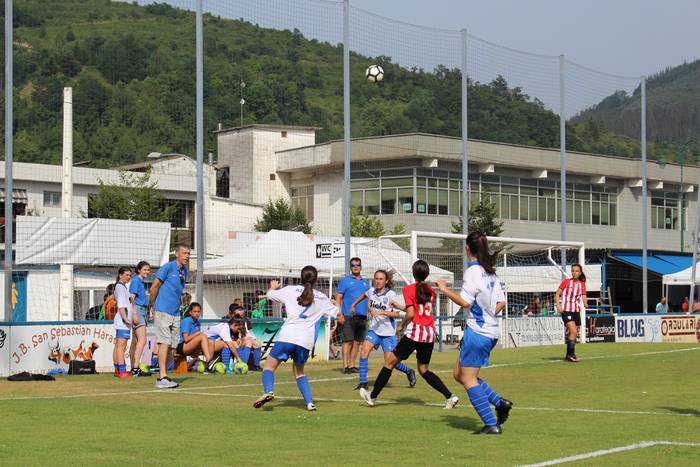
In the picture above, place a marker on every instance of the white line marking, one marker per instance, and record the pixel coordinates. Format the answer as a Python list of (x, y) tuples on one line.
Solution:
[(621, 412), (502, 365), (604, 452)]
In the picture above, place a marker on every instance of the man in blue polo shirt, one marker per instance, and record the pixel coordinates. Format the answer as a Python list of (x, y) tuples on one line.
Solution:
[(354, 329), (166, 291)]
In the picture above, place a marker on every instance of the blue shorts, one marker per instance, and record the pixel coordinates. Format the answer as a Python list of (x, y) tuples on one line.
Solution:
[(123, 334), (282, 351), (142, 311), (475, 349), (388, 343)]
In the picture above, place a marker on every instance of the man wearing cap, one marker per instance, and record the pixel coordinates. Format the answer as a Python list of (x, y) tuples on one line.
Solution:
[(353, 331)]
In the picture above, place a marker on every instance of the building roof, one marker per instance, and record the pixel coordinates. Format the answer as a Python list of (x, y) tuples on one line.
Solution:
[(149, 162), (265, 126)]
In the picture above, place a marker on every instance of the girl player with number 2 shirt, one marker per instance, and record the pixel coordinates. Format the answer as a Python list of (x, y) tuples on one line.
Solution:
[(419, 336), (570, 300)]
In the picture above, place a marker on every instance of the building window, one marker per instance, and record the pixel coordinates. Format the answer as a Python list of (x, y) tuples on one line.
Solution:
[(222, 182), (665, 209), (183, 217), (303, 197), (52, 199), (439, 192), (284, 134)]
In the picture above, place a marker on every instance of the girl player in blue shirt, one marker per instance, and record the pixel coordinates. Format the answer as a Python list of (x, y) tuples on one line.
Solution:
[(483, 296), (383, 311), (305, 308)]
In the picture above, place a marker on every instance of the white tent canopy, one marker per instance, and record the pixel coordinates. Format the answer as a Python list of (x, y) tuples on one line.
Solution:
[(284, 254), (682, 277)]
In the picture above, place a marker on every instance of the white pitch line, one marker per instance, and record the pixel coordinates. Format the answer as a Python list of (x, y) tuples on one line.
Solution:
[(605, 452)]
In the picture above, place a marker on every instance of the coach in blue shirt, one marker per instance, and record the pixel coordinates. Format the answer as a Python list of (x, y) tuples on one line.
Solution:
[(166, 291), (355, 327)]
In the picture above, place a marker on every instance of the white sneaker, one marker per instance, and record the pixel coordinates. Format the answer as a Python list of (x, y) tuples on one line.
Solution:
[(367, 396), (451, 403), (310, 407), (166, 383)]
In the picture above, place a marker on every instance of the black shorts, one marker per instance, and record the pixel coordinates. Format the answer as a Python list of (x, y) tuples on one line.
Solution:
[(354, 329), (569, 316), (406, 346), (179, 350)]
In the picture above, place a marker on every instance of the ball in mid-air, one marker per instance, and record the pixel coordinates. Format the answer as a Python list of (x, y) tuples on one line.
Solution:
[(240, 368), (374, 73)]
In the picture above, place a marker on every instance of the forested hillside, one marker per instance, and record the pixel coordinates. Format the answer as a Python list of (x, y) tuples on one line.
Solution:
[(132, 70)]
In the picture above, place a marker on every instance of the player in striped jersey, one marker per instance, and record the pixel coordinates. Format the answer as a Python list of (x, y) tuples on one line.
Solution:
[(482, 295), (570, 299), (305, 308), (383, 310), (419, 323)]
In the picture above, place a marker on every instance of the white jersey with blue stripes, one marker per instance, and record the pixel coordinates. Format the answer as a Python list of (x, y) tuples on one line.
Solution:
[(482, 291), (382, 325), (121, 295), (301, 325)]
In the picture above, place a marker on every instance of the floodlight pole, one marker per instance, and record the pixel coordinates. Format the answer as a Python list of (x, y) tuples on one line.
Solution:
[(346, 130), (199, 227), (8, 159), (562, 154), (645, 205), (465, 143)]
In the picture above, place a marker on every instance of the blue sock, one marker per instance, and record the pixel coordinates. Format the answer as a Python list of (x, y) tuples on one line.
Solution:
[(304, 388), (257, 355), (402, 368), (154, 360), (171, 365), (364, 367), (480, 402), (244, 353), (121, 367), (268, 380), (493, 396), (116, 367), (225, 355)]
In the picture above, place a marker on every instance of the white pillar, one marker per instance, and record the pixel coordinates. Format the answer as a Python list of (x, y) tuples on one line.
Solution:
[(65, 288)]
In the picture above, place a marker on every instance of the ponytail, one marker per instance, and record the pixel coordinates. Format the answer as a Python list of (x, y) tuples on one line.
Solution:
[(582, 277), (309, 275), (424, 293), (479, 247)]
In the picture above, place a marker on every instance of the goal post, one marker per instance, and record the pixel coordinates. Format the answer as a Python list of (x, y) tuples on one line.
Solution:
[(529, 269)]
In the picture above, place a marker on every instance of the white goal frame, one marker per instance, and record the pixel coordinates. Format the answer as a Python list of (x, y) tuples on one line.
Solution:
[(551, 244)]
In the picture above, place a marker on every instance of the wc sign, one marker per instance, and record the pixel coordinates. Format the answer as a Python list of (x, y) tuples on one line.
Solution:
[(330, 250), (638, 329)]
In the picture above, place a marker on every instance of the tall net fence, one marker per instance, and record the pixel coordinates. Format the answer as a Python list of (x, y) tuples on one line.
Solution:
[(273, 129)]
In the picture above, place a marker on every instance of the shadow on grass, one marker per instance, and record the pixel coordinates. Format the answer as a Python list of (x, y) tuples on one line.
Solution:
[(678, 410), (462, 423), (410, 400)]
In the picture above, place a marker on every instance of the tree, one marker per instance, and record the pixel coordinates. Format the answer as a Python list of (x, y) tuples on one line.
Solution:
[(483, 217), (361, 225), (134, 198), (279, 214)]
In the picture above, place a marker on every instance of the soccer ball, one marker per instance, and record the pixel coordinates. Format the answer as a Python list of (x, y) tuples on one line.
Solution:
[(143, 366), (201, 367), (240, 368), (374, 73), (220, 368)]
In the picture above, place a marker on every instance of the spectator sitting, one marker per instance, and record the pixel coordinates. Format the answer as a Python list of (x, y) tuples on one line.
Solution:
[(545, 308), (192, 340), (250, 341)]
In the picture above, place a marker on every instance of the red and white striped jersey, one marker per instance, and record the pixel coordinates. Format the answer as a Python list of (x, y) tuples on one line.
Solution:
[(571, 295), (422, 326)]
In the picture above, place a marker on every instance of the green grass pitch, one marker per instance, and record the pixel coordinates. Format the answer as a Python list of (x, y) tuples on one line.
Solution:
[(620, 395)]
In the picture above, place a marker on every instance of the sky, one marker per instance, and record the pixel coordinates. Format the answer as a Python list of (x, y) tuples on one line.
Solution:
[(622, 37)]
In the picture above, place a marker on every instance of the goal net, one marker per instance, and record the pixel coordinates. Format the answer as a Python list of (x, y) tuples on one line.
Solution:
[(530, 271)]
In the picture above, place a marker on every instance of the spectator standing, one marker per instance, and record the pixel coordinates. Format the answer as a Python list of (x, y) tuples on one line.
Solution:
[(350, 288), (662, 307), (139, 297), (684, 305), (165, 301)]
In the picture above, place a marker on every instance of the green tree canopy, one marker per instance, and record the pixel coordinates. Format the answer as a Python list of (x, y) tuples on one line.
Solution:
[(279, 214)]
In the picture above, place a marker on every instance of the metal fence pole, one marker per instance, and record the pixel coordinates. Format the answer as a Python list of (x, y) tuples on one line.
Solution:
[(8, 159), (465, 145), (645, 206), (199, 233), (562, 154), (346, 131), (695, 255)]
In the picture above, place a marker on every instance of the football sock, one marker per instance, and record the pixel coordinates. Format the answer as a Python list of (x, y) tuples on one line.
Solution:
[(402, 368), (121, 367), (268, 380), (116, 367), (480, 402), (570, 347), (225, 355), (494, 398), (244, 353), (380, 382), (257, 354), (364, 367), (436, 383), (154, 360), (304, 388)]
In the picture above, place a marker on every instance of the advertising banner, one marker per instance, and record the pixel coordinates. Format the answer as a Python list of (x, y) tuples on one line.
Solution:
[(680, 328), (4, 350), (637, 329), (526, 332), (600, 328)]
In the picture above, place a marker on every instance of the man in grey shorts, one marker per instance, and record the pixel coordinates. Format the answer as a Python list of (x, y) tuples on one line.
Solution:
[(165, 300)]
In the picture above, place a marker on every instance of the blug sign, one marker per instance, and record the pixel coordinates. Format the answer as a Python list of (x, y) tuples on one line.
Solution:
[(638, 329)]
